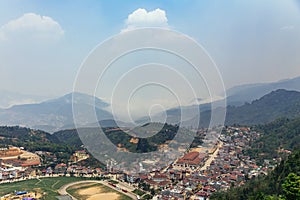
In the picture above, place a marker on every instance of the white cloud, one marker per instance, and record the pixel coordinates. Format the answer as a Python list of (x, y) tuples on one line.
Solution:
[(287, 28), (31, 26), (143, 18)]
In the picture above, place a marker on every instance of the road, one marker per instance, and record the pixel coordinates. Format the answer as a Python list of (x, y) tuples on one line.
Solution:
[(212, 157), (63, 189), (28, 178)]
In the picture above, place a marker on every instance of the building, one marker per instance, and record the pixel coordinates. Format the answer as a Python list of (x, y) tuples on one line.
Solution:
[(10, 152), (80, 155), (191, 160)]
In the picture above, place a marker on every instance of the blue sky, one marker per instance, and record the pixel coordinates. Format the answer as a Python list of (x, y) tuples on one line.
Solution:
[(250, 41)]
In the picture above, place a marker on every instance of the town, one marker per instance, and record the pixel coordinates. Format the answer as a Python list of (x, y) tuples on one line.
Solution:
[(201, 171)]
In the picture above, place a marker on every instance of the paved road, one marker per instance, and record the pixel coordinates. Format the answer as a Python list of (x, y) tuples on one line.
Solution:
[(212, 157), (62, 190)]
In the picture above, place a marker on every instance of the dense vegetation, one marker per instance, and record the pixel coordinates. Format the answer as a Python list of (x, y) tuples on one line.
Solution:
[(148, 144), (69, 136), (64, 143), (282, 183), (32, 140), (278, 135), (277, 104), (36, 140), (165, 133)]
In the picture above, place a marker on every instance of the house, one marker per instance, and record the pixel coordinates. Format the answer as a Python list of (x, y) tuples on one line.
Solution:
[(159, 177)]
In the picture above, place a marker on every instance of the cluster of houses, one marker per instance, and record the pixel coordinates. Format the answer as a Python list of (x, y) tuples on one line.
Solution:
[(73, 170), (195, 175), (189, 178), (16, 163)]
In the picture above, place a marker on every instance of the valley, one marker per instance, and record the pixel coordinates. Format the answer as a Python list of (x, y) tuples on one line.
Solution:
[(241, 153)]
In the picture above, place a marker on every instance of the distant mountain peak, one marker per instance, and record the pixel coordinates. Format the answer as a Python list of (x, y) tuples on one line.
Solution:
[(77, 98), (238, 95), (281, 94), (54, 114)]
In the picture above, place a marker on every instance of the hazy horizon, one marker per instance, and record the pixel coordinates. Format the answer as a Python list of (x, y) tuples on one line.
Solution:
[(43, 44)]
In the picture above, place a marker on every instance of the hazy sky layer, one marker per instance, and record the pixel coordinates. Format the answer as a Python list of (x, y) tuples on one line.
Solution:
[(43, 43)]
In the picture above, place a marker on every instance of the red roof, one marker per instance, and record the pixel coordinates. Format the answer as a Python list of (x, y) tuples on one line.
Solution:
[(192, 158), (160, 176), (163, 183), (31, 163), (143, 177), (61, 165), (202, 194)]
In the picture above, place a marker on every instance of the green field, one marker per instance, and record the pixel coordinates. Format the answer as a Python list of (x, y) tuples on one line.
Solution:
[(43, 185)]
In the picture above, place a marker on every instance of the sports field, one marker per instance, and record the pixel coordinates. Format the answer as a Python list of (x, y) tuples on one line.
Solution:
[(46, 186), (95, 191)]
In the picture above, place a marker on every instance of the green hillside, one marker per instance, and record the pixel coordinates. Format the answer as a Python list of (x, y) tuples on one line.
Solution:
[(282, 134), (282, 183), (34, 140), (163, 133), (277, 104)]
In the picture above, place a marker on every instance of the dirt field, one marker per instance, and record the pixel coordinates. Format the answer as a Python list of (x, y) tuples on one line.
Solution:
[(92, 192)]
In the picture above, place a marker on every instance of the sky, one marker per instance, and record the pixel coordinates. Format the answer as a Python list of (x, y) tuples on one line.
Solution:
[(44, 43)]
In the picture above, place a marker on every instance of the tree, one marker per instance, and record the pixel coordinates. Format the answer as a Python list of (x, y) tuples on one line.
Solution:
[(291, 187)]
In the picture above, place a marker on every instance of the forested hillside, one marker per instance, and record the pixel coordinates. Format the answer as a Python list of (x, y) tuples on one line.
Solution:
[(35, 140), (282, 183), (277, 104), (32, 140), (278, 136), (131, 141), (278, 139)]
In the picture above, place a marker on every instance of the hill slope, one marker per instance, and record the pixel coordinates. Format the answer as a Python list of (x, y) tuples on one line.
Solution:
[(246, 93), (277, 104), (236, 96), (134, 140), (280, 134), (32, 140), (54, 114), (270, 186)]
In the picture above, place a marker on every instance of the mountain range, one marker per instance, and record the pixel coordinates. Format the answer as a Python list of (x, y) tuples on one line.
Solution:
[(55, 114), (277, 104), (238, 100), (8, 99), (274, 105), (247, 104), (249, 92)]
